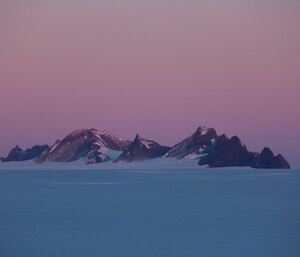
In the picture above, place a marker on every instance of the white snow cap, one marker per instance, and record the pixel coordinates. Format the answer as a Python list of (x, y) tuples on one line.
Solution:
[(202, 130)]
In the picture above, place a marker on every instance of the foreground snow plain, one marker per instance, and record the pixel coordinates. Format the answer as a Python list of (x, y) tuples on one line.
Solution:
[(154, 208)]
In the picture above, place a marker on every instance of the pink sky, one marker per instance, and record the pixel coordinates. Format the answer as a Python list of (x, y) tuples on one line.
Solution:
[(160, 68)]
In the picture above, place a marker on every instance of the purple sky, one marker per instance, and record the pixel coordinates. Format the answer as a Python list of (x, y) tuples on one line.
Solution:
[(160, 68)]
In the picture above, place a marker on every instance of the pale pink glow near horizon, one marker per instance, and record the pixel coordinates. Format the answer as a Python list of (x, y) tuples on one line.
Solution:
[(157, 68)]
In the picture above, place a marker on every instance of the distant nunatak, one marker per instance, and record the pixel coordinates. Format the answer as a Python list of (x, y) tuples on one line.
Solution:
[(204, 145)]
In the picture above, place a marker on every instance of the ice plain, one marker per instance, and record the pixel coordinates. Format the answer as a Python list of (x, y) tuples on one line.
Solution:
[(148, 209)]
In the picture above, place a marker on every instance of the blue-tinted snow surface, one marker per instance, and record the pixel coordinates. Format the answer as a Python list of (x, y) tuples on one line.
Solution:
[(128, 213)]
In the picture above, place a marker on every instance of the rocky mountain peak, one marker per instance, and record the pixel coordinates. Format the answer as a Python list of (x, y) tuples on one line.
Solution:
[(232, 152), (138, 138), (195, 145), (84, 143), (202, 131), (16, 149), (266, 152), (142, 149), (18, 154)]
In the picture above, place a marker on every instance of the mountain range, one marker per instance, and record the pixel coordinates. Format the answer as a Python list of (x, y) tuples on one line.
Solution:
[(204, 145)]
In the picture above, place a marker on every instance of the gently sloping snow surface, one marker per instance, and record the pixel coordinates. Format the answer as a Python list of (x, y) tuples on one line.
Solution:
[(184, 212)]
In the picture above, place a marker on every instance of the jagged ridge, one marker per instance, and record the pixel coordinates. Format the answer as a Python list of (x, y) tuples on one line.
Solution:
[(231, 152), (96, 146), (18, 154)]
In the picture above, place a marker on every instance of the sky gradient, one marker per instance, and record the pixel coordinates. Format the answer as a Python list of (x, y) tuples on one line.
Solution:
[(159, 68)]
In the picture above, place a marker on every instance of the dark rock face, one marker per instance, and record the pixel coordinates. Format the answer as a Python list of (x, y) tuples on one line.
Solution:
[(194, 145), (142, 149), (227, 152), (267, 160), (96, 156), (18, 154), (89, 144), (15, 154), (232, 153)]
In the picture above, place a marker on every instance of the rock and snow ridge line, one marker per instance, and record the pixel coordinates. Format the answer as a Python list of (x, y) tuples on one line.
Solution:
[(204, 145)]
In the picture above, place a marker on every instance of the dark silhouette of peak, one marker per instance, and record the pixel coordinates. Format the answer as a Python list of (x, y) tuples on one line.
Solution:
[(267, 160), (18, 154), (232, 152), (142, 149)]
